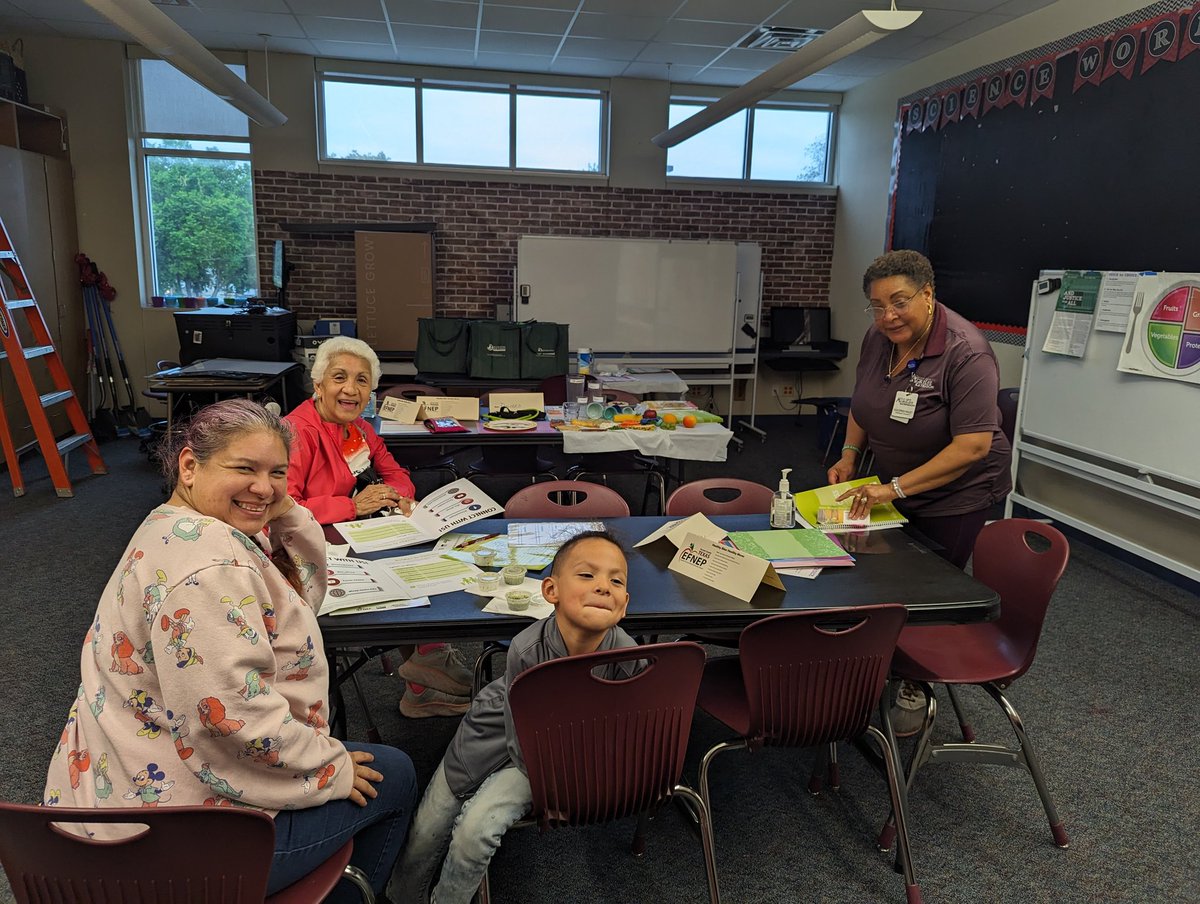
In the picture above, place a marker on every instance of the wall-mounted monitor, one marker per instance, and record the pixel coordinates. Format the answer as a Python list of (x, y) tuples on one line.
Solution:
[(798, 326)]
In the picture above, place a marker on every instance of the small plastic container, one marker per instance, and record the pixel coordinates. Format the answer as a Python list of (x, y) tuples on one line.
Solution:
[(488, 582), (514, 574), (518, 600), (484, 558)]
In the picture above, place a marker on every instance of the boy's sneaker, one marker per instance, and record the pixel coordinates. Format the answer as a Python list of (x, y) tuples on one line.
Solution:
[(432, 702), (442, 668), (908, 714)]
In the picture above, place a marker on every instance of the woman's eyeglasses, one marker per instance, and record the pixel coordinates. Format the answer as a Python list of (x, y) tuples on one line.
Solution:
[(878, 312)]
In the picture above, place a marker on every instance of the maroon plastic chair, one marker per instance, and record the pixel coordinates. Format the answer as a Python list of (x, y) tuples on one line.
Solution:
[(991, 655), (805, 679), (598, 750), (566, 499), (620, 395), (1007, 401), (510, 460), (692, 498), (554, 389), (409, 391), (189, 855)]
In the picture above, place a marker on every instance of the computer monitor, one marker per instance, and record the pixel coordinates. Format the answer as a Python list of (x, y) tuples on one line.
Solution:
[(280, 270), (798, 326)]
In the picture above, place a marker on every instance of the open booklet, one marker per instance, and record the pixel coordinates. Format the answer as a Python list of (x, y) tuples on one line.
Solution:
[(358, 585), (821, 509), (454, 505)]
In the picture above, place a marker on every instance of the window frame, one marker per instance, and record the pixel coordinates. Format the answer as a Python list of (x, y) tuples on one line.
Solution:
[(141, 161), (513, 90), (748, 143)]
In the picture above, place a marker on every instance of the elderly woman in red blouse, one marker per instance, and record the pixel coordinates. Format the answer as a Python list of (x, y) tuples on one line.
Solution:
[(340, 470)]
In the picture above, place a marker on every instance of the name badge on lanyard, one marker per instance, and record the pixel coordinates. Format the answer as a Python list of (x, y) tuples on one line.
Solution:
[(356, 452), (904, 407)]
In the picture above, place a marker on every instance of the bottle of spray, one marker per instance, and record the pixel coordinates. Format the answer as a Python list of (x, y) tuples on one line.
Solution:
[(783, 506)]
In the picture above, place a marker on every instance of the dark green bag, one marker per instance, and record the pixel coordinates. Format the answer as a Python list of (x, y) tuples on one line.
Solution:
[(495, 350), (543, 349), (442, 345)]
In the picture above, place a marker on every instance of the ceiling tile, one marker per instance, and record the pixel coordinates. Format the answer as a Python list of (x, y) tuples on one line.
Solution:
[(530, 21), (597, 68), (291, 45), (973, 6), (745, 11), (630, 28), (1021, 7), (712, 34), (71, 10), (433, 56), (685, 54), (717, 75), (533, 4), (194, 20), (509, 41), (514, 62), (323, 28), (861, 67), (821, 82), (659, 71), (758, 60), (95, 31), (350, 9), (435, 38), (434, 12), (661, 8), (349, 50), (975, 26), (252, 6), (602, 49)]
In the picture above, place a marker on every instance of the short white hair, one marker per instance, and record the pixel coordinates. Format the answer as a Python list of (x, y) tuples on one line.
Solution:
[(344, 345)]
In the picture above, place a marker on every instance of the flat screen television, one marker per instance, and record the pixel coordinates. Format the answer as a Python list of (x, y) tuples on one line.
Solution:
[(798, 326), (280, 269)]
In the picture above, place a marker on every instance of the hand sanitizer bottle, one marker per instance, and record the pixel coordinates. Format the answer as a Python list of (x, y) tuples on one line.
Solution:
[(783, 506)]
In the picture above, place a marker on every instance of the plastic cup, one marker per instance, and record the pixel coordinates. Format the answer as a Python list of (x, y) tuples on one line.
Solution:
[(514, 574), (484, 558), (488, 582), (518, 600)]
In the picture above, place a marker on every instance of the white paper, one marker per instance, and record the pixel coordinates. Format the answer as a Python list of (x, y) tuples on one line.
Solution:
[(549, 533), (723, 567), (1115, 301), (354, 583), (428, 573), (441, 511), (380, 607), (677, 531), (808, 573), (395, 428), (538, 607)]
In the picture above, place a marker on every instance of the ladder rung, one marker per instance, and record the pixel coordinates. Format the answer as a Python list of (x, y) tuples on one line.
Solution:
[(72, 442), (21, 303), (52, 398), (8, 255), (36, 351)]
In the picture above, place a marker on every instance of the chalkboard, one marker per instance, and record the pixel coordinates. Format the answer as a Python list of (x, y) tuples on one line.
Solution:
[(1085, 403), (632, 295), (1101, 177)]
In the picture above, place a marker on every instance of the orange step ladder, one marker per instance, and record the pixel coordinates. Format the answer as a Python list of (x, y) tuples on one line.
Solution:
[(19, 357)]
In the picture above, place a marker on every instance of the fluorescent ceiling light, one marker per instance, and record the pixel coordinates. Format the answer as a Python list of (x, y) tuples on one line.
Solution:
[(861, 29), (155, 30)]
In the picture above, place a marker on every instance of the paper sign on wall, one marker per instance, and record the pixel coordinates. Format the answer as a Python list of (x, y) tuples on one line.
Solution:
[(464, 408), (723, 568), (400, 410)]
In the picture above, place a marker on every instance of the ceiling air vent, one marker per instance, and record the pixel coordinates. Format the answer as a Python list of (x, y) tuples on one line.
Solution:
[(778, 37)]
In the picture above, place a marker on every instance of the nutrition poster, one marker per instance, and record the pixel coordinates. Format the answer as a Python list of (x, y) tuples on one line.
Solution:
[(1163, 337)]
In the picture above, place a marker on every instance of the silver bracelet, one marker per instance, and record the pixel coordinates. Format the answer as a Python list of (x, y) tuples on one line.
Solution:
[(900, 494)]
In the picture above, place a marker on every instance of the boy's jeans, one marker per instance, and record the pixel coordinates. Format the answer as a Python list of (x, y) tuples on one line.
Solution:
[(465, 833)]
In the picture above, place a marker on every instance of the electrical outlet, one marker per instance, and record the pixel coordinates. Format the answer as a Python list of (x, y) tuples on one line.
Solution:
[(787, 391)]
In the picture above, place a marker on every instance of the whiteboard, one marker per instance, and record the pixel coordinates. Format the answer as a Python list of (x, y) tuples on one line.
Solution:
[(631, 295), (1085, 403)]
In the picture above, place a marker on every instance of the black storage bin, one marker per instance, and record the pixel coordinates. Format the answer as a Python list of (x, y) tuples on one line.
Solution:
[(442, 345), (543, 349), (268, 335), (495, 350)]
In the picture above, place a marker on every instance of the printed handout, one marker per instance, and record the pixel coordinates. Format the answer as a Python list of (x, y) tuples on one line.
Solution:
[(454, 505)]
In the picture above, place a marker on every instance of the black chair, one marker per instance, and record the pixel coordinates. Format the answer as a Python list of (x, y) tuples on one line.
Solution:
[(418, 459)]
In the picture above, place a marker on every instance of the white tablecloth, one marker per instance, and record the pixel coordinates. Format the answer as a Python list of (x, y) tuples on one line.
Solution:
[(665, 382), (704, 442)]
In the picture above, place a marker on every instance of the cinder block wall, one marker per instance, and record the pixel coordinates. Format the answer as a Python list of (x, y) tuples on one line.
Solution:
[(479, 222)]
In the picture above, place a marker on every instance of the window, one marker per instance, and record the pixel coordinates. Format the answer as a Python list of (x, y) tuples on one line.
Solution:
[(462, 125), (769, 142), (193, 154)]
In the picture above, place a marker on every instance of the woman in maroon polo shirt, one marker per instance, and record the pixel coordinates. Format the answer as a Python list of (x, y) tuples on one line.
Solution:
[(925, 402)]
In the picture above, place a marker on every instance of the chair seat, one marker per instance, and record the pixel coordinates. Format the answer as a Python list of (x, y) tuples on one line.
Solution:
[(959, 654), (317, 885), (723, 693)]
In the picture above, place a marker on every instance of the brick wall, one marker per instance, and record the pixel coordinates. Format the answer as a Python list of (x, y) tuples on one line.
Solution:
[(479, 222)]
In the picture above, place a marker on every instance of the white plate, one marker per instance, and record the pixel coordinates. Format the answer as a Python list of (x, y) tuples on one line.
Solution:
[(510, 426)]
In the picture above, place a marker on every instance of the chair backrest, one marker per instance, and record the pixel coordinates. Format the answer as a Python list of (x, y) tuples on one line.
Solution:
[(180, 854), (1024, 578), (554, 389), (597, 749), (409, 391), (815, 677), (620, 395), (751, 498), (1007, 400), (566, 499)]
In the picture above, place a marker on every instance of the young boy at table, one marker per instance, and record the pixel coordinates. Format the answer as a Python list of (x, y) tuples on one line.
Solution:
[(481, 789)]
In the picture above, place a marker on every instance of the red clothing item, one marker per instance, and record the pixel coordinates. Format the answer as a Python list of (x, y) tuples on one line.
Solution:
[(318, 477)]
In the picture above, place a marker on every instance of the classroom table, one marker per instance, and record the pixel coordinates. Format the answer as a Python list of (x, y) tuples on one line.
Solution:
[(221, 378), (891, 566)]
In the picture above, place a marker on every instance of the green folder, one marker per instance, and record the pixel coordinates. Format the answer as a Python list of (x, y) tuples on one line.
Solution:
[(785, 545)]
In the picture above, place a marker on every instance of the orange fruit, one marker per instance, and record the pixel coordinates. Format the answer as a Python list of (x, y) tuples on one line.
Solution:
[(689, 420), (670, 419)]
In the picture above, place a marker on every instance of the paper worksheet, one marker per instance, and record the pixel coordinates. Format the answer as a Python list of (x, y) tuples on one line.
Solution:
[(356, 584), (427, 573), (441, 511), (549, 533), (463, 546)]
